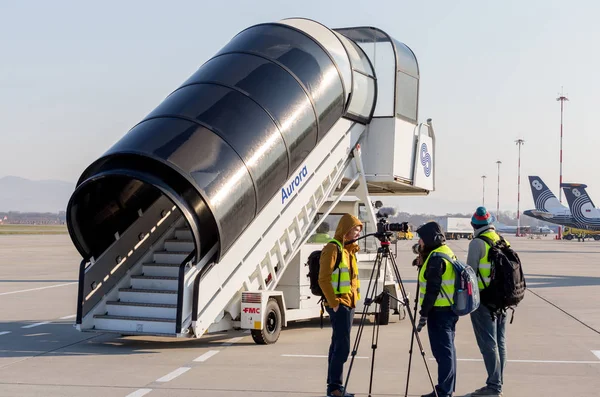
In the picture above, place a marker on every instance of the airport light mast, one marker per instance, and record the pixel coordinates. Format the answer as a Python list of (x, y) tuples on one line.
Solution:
[(562, 98), (483, 196), (498, 198), (519, 143)]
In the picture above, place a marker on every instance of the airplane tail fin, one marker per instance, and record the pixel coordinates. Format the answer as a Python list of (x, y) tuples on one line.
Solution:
[(580, 202), (543, 197)]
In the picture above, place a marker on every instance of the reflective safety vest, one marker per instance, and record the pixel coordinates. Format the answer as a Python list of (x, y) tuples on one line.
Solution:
[(319, 238), (341, 278), (485, 267), (448, 279)]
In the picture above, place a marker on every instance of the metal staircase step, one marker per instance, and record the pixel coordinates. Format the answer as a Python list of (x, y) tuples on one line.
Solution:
[(134, 318), (154, 282), (130, 333), (139, 295), (170, 256), (161, 269), (179, 245), (125, 324), (183, 233), (156, 264), (139, 309)]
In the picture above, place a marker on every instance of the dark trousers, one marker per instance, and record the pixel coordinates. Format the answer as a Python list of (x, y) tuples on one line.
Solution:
[(441, 327), (491, 339), (341, 322)]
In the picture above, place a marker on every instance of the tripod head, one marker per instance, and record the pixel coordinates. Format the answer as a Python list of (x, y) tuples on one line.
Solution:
[(384, 238)]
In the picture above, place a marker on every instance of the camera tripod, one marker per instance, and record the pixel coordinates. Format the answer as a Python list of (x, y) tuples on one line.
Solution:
[(383, 253)]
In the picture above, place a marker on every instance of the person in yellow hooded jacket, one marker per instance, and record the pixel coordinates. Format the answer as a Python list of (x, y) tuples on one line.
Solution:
[(342, 290)]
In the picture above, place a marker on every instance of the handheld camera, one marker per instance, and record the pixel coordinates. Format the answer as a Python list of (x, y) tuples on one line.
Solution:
[(416, 249)]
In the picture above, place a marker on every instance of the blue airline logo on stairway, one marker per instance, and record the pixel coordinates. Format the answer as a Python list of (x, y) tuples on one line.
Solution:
[(286, 192)]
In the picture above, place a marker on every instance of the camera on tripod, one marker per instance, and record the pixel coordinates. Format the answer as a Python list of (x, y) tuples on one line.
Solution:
[(383, 227), (380, 268)]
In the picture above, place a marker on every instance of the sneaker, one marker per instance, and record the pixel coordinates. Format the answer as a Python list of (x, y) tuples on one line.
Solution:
[(486, 391), (339, 393)]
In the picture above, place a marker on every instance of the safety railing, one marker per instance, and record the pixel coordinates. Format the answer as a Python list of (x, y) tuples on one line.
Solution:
[(204, 265), (180, 289)]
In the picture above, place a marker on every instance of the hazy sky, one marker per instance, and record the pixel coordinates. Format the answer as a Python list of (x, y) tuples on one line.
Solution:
[(75, 77)]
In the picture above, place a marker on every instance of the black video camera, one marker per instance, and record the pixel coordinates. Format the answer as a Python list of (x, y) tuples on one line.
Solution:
[(383, 226)]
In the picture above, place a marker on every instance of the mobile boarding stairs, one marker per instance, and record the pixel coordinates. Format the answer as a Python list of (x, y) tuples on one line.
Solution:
[(196, 221)]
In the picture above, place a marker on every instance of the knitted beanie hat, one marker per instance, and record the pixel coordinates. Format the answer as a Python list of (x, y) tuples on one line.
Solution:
[(481, 217)]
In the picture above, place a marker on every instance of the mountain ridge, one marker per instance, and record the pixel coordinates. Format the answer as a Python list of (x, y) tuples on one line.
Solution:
[(26, 195)]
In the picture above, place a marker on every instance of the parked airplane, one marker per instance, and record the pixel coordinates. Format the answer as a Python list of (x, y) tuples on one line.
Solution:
[(547, 206), (581, 206), (502, 228), (544, 230)]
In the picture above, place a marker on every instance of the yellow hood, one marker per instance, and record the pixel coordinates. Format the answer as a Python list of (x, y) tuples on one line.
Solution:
[(346, 223)]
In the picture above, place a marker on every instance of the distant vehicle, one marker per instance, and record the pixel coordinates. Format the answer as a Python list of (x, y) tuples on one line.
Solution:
[(547, 206), (456, 228), (571, 233), (408, 235), (582, 208)]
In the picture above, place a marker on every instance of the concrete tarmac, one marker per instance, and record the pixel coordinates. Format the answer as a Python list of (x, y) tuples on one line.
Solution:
[(553, 343)]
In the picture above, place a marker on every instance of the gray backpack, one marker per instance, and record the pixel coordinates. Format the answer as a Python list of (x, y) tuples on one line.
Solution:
[(466, 291)]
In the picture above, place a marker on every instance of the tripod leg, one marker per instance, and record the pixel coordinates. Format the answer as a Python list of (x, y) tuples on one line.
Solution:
[(369, 298), (412, 340), (375, 337), (412, 321)]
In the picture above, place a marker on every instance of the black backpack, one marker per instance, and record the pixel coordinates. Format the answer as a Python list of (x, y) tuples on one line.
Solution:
[(314, 265), (507, 286)]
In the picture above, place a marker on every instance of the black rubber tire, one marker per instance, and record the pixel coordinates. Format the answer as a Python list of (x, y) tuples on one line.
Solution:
[(383, 317), (272, 322), (596, 238), (568, 237)]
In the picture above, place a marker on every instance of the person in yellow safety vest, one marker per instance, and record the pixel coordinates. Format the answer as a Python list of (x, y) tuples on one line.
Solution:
[(437, 274), (489, 333), (342, 290), (322, 234)]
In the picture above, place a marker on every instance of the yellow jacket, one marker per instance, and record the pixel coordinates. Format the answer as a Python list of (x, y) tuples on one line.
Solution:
[(327, 263)]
